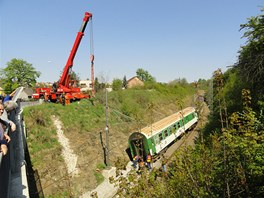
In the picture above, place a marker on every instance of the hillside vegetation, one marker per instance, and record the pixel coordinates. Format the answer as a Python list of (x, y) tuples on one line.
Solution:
[(228, 157), (226, 161), (84, 121)]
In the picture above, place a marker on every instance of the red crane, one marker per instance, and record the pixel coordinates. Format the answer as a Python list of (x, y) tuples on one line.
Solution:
[(65, 87)]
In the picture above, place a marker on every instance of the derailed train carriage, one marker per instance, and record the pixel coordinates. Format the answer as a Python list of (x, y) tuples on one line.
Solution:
[(154, 139)]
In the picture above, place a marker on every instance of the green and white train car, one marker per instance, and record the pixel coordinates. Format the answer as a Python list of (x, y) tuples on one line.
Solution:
[(155, 138)]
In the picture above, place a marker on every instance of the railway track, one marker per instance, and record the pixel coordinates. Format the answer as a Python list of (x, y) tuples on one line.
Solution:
[(185, 140), (188, 139), (108, 190)]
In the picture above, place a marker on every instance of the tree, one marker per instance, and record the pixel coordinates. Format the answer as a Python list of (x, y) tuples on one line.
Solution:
[(125, 82), (96, 84), (251, 57), (18, 73), (117, 84), (144, 75), (74, 76), (180, 81)]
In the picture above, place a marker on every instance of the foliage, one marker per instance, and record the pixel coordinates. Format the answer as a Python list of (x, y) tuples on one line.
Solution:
[(203, 84), (181, 81), (74, 76), (147, 184), (246, 139), (18, 73), (229, 165), (134, 102), (98, 86), (124, 82), (144, 75), (230, 162), (117, 84), (82, 123), (43, 144), (251, 57), (232, 89), (191, 173), (98, 175), (246, 74)]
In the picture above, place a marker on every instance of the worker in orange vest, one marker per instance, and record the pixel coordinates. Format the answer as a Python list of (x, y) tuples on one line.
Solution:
[(149, 161), (141, 165)]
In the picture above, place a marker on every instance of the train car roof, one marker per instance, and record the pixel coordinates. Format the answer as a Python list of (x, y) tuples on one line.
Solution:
[(165, 122)]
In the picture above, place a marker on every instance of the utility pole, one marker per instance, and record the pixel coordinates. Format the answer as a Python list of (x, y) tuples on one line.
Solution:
[(107, 129)]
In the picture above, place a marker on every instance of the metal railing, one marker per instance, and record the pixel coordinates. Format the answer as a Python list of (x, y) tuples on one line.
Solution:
[(13, 180)]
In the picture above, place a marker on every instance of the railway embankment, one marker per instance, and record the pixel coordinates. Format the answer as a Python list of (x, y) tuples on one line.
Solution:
[(83, 124), (108, 189)]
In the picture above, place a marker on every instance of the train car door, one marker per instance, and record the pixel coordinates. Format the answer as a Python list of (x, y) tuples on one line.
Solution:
[(137, 145)]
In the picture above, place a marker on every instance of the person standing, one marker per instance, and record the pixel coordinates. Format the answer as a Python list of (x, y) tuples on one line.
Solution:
[(141, 165), (3, 116), (135, 161), (63, 98), (164, 164), (149, 161), (4, 138)]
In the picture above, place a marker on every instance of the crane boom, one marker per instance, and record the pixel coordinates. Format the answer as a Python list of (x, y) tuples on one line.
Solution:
[(63, 87), (64, 80)]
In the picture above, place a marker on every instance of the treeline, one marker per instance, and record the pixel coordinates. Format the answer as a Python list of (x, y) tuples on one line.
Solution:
[(228, 161)]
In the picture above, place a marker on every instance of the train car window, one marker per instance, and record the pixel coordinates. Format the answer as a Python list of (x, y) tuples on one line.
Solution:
[(157, 141), (160, 137), (179, 125), (173, 128), (152, 141), (166, 133)]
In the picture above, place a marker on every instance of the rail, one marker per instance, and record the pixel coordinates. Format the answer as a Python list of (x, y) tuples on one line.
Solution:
[(13, 180)]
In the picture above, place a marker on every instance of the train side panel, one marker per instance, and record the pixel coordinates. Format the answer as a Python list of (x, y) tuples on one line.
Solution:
[(171, 133), (154, 142)]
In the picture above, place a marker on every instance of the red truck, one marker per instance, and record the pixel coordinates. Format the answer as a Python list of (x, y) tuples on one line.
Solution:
[(65, 88)]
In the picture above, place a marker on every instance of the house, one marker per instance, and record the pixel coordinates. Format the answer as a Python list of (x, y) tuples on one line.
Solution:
[(22, 93), (134, 82), (85, 85)]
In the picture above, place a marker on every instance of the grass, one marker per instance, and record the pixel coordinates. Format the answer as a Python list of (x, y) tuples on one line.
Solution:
[(82, 123)]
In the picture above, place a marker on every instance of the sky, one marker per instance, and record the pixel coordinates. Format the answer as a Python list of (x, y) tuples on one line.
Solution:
[(170, 39)]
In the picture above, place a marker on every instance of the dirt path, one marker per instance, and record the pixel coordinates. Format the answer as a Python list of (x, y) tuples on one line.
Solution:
[(68, 155)]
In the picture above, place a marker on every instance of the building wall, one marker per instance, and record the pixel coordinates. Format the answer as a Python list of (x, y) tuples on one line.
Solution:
[(133, 82), (85, 85)]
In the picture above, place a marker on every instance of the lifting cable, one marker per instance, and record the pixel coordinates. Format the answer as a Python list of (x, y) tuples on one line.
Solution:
[(92, 55), (91, 38)]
